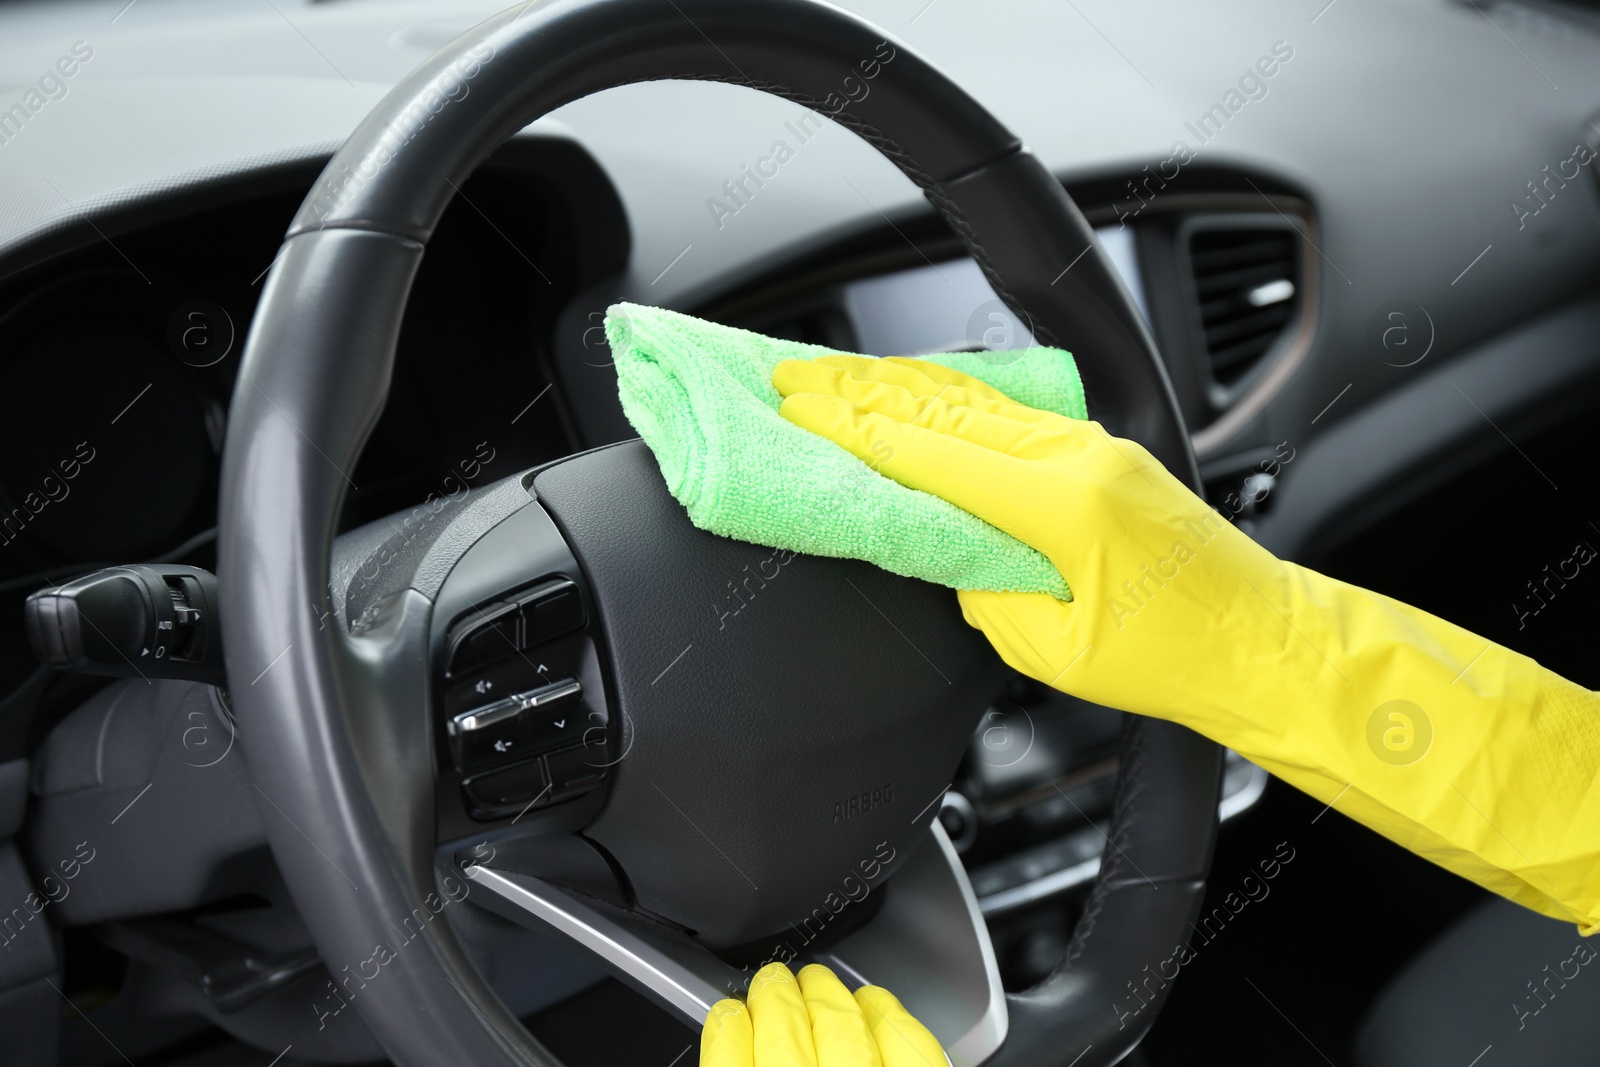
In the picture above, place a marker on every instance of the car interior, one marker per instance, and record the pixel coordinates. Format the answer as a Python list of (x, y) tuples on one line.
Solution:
[(307, 389)]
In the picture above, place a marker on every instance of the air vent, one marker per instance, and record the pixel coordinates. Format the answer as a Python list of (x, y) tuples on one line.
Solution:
[(1247, 284)]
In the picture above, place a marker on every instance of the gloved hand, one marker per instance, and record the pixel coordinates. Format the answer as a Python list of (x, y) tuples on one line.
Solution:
[(1465, 752), (814, 1021)]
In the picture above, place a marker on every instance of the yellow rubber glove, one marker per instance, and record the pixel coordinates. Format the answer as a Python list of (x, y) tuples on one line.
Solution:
[(1465, 752), (814, 1021)]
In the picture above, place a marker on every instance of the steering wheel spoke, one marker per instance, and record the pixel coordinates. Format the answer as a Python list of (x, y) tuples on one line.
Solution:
[(386, 717), (657, 960), (950, 981)]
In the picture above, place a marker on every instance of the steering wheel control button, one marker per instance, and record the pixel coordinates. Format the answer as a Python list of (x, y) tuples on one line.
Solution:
[(486, 636), (514, 787), (548, 695), (517, 726), (507, 628), (959, 819), (573, 770), (486, 717), (551, 611)]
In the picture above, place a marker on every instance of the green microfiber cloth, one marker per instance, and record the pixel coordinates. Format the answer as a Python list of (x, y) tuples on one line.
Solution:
[(701, 396)]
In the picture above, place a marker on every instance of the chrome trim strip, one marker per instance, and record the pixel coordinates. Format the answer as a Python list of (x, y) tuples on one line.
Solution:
[(538, 698), (929, 944), (501, 710), (1245, 797), (682, 978), (478, 718)]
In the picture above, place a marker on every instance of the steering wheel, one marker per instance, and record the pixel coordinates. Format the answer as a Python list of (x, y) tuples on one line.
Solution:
[(770, 782)]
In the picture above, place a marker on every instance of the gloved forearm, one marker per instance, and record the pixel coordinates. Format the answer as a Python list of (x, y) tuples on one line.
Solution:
[(1488, 766), (1467, 753)]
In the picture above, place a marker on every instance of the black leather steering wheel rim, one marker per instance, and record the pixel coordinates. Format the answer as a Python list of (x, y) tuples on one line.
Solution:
[(314, 376)]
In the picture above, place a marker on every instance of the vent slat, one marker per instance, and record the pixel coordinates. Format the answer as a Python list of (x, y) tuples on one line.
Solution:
[(1247, 278), (1274, 248), (1265, 320), (1231, 357), (1227, 266)]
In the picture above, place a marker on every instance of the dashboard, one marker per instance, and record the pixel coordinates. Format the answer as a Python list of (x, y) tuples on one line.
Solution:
[(496, 374), (1323, 289), (119, 361)]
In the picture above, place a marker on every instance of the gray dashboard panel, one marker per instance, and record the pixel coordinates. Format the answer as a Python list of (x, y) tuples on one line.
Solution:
[(1435, 425), (1410, 125)]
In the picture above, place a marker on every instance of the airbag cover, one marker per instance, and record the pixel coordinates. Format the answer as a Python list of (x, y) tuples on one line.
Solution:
[(788, 721)]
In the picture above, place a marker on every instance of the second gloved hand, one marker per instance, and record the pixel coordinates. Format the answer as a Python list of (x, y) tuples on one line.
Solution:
[(1465, 752), (814, 1021)]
